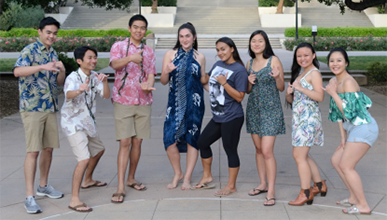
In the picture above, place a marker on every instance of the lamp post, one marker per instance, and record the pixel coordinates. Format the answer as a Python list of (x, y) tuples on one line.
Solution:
[(139, 6), (314, 33), (296, 19)]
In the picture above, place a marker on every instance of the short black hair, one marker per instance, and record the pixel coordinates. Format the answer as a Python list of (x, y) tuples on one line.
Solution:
[(48, 21), (80, 52), (138, 18)]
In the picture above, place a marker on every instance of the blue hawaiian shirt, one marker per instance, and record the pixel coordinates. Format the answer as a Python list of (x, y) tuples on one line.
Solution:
[(38, 92)]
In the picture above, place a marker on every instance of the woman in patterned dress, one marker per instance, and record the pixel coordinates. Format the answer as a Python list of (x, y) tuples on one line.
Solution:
[(304, 93), (183, 67), (264, 115), (359, 131)]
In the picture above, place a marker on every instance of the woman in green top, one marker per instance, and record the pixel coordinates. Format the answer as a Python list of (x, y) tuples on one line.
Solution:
[(358, 129)]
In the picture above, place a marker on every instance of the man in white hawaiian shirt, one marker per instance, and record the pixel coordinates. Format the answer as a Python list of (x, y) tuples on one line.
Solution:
[(78, 121)]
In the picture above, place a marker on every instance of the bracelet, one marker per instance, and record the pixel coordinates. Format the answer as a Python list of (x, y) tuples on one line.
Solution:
[(224, 83)]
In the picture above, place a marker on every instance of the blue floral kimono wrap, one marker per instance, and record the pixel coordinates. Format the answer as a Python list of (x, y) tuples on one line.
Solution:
[(185, 109)]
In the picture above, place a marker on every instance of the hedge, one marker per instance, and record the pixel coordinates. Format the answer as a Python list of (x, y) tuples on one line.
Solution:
[(338, 32), (30, 32), (159, 3)]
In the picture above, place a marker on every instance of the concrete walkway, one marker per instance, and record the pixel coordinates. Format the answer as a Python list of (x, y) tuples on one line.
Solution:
[(156, 172)]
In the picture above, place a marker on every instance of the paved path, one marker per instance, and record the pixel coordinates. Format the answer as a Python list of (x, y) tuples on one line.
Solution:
[(155, 171)]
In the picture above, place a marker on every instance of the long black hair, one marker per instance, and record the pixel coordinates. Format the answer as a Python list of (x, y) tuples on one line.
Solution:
[(296, 68), (268, 51), (340, 50), (191, 28), (231, 44)]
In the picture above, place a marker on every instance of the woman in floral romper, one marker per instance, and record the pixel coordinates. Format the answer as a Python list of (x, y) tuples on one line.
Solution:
[(358, 129), (304, 92)]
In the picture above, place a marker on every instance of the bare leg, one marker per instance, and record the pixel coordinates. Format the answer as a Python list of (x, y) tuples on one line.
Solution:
[(192, 157), (316, 177), (174, 157), (77, 179), (231, 185), (270, 163), (44, 165), (134, 155), (207, 175), (336, 158), (353, 152), (122, 164), (29, 171), (88, 180), (300, 155), (261, 167)]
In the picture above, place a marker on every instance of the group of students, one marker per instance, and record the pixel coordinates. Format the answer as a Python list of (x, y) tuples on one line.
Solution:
[(183, 69)]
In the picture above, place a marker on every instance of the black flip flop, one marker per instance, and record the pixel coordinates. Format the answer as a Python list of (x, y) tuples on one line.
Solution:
[(268, 201), (259, 192)]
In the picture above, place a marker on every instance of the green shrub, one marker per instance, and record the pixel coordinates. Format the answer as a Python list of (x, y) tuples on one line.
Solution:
[(270, 3), (69, 63), (338, 32), (29, 17), (30, 32), (159, 2), (348, 43), (21, 17), (377, 72)]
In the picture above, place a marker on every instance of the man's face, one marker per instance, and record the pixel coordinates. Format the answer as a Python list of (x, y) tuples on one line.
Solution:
[(89, 61), (48, 35), (137, 30)]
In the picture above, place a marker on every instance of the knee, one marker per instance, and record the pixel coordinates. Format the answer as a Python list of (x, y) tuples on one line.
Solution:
[(335, 163), (299, 158), (33, 155), (267, 155), (343, 167), (84, 162), (48, 150), (258, 150), (125, 143), (101, 152)]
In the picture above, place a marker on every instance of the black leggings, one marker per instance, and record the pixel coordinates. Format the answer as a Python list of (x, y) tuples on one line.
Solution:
[(230, 133)]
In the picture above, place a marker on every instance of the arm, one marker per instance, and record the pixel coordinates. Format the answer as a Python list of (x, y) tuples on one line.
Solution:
[(70, 94), (289, 93), (252, 77), (343, 134), (235, 94), (106, 89), (348, 86), (23, 71), (317, 94), (167, 67), (60, 78), (278, 74), (204, 77), (121, 63)]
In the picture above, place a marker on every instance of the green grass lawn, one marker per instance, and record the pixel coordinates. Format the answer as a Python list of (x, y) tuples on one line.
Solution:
[(359, 62), (6, 64)]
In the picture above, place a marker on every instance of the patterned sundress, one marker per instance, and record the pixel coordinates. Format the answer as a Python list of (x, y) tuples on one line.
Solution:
[(264, 115), (306, 124), (185, 109)]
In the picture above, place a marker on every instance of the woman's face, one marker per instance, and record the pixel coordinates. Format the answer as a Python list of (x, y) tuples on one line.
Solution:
[(224, 52), (337, 63), (186, 39), (257, 44), (305, 57)]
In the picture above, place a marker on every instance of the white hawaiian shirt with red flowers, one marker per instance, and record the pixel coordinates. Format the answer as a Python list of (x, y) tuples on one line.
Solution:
[(131, 93)]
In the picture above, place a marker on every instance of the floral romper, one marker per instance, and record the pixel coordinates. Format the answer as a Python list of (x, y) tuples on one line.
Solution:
[(306, 124)]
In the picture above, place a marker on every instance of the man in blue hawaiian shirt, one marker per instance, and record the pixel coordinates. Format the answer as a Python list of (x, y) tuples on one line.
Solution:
[(39, 72)]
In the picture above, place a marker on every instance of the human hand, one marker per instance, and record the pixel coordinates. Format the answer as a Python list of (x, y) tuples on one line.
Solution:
[(146, 87), (84, 86), (59, 65), (252, 77), (221, 78), (297, 85), (290, 89), (101, 77), (50, 67), (170, 67), (275, 73), (137, 57), (331, 87)]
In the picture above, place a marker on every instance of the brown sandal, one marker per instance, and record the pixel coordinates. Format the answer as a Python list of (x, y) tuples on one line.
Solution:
[(118, 195)]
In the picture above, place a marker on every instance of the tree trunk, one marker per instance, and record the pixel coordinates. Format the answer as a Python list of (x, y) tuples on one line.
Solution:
[(154, 6), (280, 6)]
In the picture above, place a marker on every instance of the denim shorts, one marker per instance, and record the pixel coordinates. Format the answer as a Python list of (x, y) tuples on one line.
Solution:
[(365, 133)]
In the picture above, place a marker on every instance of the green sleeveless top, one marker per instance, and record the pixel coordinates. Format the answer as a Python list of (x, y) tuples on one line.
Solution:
[(355, 105)]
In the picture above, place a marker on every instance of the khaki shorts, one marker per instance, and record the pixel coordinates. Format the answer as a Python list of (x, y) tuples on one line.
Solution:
[(132, 121), (41, 130), (83, 145)]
